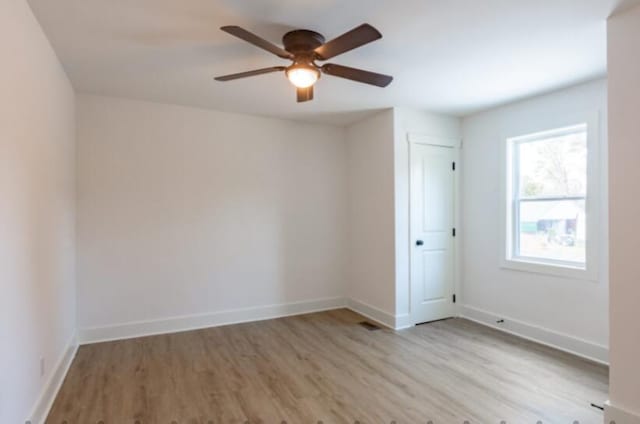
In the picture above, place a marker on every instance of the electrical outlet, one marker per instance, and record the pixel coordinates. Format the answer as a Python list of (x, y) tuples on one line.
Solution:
[(42, 368)]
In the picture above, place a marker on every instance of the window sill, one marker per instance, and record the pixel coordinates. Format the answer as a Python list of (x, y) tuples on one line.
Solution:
[(546, 268)]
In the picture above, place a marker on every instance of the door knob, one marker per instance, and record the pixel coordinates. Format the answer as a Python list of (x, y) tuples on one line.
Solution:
[(419, 243)]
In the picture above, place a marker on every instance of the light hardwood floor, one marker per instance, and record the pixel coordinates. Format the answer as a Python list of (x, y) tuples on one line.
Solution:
[(325, 367)]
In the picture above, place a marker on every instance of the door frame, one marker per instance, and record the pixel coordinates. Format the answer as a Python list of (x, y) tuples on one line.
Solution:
[(455, 144)]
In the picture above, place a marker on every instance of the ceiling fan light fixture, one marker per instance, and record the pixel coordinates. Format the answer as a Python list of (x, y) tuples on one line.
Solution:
[(302, 76), (304, 47)]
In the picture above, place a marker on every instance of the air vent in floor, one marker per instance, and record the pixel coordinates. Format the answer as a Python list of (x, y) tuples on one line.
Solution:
[(369, 326)]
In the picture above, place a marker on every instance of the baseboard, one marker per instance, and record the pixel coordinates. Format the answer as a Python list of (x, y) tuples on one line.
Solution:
[(404, 321), (198, 321), (614, 414), (564, 342), (50, 390), (373, 313)]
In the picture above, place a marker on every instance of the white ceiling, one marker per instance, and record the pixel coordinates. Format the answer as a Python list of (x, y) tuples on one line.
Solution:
[(450, 56)]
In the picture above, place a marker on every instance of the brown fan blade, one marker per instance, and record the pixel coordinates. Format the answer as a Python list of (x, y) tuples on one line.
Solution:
[(357, 37), (250, 73), (305, 94), (250, 37), (357, 75)]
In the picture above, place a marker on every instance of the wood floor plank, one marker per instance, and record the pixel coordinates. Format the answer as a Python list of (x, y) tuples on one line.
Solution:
[(325, 367)]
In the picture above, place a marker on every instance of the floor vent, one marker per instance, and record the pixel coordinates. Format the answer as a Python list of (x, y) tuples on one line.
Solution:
[(369, 326)]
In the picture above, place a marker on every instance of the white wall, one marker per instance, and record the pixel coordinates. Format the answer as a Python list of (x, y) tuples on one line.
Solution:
[(418, 123), (624, 175), (183, 211), (378, 162), (569, 313), (37, 287), (371, 270)]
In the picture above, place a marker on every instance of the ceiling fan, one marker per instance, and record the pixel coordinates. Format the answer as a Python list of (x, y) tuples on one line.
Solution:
[(304, 47)]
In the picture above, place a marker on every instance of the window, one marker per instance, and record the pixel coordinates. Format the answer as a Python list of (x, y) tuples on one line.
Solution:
[(548, 186)]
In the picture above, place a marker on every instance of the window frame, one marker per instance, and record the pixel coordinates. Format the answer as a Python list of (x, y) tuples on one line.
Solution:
[(508, 259)]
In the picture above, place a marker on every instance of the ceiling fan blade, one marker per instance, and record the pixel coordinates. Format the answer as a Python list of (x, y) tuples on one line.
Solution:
[(305, 94), (250, 73), (357, 37), (357, 75), (250, 37)]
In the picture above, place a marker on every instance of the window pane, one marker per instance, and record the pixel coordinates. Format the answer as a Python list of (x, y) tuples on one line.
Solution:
[(555, 166), (552, 229)]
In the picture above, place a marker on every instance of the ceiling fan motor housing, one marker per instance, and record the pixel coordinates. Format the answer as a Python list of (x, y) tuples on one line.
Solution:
[(302, 41)]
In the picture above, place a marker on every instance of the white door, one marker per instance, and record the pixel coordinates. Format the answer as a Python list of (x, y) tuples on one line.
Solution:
[(432, 233)]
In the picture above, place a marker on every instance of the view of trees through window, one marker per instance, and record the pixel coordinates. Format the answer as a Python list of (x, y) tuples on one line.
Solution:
[(550, 181)]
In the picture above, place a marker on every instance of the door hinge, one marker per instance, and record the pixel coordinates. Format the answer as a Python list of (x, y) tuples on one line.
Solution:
[(453, 166), (453, 232), (454, 298)]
